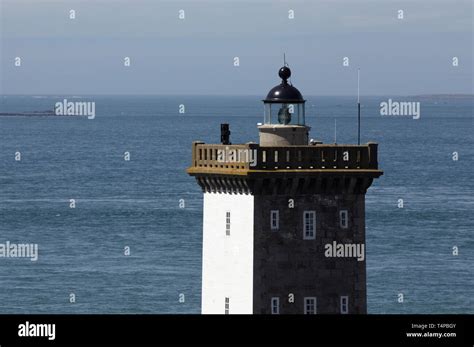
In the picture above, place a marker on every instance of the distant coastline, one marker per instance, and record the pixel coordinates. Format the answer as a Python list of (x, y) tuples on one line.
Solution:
[(29, 114), (445, 96)]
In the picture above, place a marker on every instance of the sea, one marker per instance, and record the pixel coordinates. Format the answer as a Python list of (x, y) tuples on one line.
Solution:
[(133, 241)]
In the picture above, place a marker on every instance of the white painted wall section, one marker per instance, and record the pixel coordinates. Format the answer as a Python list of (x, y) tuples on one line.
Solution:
[(227, 269)]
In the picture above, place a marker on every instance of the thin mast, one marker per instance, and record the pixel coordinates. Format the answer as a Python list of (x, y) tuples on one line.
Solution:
[(358, 107)]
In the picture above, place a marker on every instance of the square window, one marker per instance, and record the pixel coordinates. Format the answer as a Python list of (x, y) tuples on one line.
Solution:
[(274, 220), (275, 305), (344, 304), (310, 305), (309, 225), (227, 223), (344, 219), (227, 305)]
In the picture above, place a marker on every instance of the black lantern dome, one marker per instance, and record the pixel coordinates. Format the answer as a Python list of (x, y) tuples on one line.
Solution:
[(284, 92), (284, 103)]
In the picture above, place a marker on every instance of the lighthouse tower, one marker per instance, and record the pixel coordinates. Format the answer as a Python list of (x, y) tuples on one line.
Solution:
[(284, 220)]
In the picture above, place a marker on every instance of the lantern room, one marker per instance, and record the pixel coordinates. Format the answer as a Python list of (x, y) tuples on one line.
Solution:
[(284, 104)]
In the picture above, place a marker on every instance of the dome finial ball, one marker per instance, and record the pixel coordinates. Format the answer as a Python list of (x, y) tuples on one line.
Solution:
[(284, 73)]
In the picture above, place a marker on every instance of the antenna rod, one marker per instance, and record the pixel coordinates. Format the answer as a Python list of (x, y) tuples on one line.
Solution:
[(335, 130), (358, 107), (284, 59)]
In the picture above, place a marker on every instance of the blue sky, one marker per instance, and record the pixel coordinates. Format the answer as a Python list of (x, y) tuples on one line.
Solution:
[(196, 55)]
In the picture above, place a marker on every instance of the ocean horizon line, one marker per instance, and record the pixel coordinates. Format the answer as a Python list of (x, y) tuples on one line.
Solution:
[(454, 95)]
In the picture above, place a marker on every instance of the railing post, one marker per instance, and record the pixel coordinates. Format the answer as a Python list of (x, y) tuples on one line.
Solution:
[(373, 162), (194, 152)]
